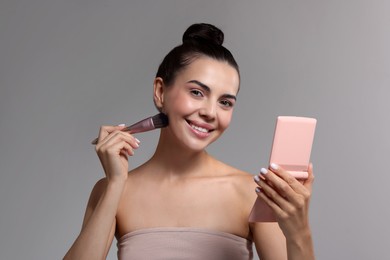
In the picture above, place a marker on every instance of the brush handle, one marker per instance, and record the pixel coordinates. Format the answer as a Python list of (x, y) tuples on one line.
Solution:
[(139, 127)]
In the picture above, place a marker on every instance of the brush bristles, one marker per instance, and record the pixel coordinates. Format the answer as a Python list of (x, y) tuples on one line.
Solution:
[(160, 120)]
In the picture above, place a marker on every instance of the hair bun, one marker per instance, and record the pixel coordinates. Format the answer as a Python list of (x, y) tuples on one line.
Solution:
[(203, 32)]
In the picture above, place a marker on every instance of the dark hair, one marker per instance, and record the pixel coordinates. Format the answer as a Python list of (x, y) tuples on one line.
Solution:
[(199, 40)]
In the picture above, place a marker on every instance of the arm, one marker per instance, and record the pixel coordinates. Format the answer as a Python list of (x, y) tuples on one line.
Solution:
[(98, 229), (99, 223), (269, 241), (289, 200)]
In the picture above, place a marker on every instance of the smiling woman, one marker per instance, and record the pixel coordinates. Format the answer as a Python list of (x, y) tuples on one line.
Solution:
[(199, 102), (183, 203)]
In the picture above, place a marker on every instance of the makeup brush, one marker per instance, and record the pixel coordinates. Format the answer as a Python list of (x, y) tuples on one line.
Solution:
[(158, 121)]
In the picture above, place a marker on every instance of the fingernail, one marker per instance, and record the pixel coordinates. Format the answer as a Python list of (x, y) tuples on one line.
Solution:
[(256, 178), (121, 125), (138, 141), (263, 171), (274, 166), (258, 190)]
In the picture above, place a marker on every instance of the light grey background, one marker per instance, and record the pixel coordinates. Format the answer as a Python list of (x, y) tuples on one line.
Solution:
[(69, 66)]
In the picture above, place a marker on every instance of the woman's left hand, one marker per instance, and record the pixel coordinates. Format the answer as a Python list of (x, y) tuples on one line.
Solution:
[(288, 198)]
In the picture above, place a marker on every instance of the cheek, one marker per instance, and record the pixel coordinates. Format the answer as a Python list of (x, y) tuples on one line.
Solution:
[(182, 105), (225, 119)]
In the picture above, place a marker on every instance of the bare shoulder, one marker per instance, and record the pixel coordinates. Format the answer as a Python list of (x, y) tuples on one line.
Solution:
[(97, 191), (242, 181), (240, 176), (94, 197)]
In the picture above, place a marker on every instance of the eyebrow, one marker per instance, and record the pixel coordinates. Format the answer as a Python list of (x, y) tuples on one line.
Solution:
[(207, 89)]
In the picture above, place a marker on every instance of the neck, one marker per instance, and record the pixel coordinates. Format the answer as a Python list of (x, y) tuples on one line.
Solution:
[(176, 161)]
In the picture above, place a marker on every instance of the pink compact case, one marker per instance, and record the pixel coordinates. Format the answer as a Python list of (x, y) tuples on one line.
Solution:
[(292, 143), (291, 149)]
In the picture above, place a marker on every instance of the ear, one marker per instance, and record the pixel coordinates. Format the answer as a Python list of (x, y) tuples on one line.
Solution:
[(158, 93)]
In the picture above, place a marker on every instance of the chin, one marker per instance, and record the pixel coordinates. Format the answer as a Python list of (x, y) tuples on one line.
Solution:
[(200, 145)]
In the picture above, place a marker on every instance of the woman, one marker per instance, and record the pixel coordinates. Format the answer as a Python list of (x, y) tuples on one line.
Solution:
[(183, 203)]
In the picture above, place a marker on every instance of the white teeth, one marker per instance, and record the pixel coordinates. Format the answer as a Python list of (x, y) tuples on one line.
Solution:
[(200, 129)]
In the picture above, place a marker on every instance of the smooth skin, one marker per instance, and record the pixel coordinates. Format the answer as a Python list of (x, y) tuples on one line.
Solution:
[(289, 199), (182, 185)]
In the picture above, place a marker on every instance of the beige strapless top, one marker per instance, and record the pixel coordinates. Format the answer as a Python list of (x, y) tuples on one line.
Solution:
[(171, 243)]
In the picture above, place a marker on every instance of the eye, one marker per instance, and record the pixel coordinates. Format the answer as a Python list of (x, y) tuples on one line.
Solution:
[(196, 92), (226, 103)]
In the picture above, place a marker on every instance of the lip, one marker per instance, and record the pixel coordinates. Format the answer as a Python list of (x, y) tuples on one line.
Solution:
[(197, 133)]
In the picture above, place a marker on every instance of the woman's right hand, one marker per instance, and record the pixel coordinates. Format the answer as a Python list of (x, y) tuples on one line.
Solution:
[(113, 148)]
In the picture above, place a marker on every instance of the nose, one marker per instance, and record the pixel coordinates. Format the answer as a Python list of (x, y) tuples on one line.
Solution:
[(208, 110)]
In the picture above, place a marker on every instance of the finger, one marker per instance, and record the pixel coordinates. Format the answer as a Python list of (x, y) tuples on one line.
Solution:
[(281, 192), (117, 132), (127, 150), (278, 211), (126, 137), (105, 136), (115, 137), (288, 178), (277, 182), (298, 194), (271, 190), (106, 130), (308, 183), (119, 146), (282, 199)]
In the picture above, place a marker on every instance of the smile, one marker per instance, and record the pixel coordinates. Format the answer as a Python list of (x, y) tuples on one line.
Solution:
[(200, 129)]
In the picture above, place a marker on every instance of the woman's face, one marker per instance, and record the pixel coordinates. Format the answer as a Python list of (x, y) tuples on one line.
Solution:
[(200, 102)]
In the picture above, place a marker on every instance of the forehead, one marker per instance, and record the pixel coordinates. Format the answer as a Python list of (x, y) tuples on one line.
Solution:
[(218, 75)]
